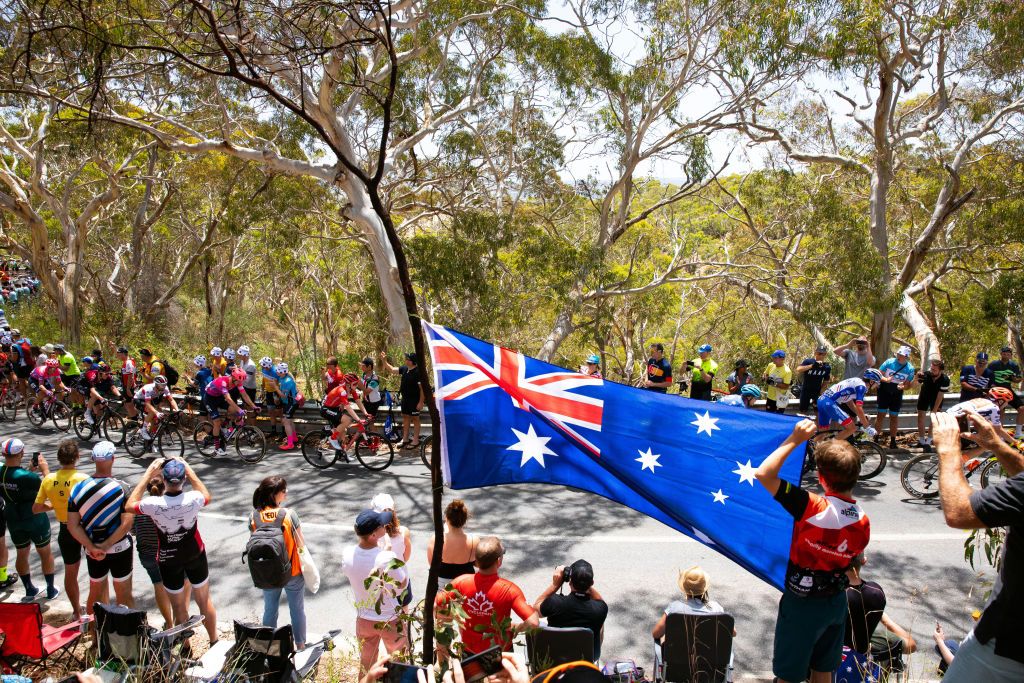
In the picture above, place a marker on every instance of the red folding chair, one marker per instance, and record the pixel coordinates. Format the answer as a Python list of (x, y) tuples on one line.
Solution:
[(30, 645)]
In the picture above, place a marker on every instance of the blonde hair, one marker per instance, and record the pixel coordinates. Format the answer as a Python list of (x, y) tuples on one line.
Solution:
[(694, 583)]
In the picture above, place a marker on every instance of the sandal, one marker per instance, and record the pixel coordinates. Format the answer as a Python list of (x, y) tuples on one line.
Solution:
[(414, 446)]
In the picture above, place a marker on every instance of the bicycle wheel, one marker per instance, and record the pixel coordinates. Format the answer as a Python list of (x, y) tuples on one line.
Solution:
[(872, 459), (425, 452), (60, 413), (114, 428), (992, 473), (83, 429), (250, 444), (9, 406), (317, 451), (202, 436), (37, 414), (171, 443), (920, 476), (133, 441), (374, 451)]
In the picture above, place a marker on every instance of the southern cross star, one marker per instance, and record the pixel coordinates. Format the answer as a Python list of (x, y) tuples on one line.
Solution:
[(648, 460), (719, 496), (532, 447), (746, 472), (705, 423)]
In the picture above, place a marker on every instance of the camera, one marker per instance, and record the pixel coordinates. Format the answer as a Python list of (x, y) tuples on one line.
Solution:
[(566, 573), (689, 364)]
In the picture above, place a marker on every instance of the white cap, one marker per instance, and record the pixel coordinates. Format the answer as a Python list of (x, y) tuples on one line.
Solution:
[(104, 450), (903, 351), (243, 350), (382, 502)]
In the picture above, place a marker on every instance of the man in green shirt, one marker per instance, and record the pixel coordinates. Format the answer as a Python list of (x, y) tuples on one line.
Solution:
[(68, 365), (702, 373), (19, 487)]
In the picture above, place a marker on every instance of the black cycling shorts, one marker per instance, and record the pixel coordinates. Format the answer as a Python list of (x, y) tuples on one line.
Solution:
[(117, 565), (196, 570), (332, 415), (70, 548), (373, 406), (289, 409), (216, 404), (22, 371), (271, 400)]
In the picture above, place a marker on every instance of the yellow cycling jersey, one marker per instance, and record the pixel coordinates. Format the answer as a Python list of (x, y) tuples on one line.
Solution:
[(56, 488)]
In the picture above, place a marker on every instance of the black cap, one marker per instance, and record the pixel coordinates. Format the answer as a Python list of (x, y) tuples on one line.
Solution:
[(981, 356), (742, 363), (369, 521), (1006, 349), (581, 574), (412, 357), (122, 349), (145, 352)]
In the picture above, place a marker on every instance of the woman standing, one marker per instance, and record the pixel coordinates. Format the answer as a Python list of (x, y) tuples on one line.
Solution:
[(146, 544), (287, 394), (459, 551), (397, 538), (267, 503)]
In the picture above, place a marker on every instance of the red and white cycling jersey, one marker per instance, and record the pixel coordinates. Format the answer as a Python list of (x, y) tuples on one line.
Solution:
[(151, 392)]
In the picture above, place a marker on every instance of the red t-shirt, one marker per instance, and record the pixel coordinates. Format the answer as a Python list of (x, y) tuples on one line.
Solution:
[(487, 595), (333, 379)]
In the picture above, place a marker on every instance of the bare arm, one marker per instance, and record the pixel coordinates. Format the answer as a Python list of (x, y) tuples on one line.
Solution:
[(938, 401), (909, 644), (127, 518), (991, 438), (659, 628), (940, 643), (871, 357), (768, 472), (556, 583), (139, 492), (78, 533), (954, 491)]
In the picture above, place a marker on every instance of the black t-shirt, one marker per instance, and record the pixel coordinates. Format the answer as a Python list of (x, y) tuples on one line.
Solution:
[(866, 604), (819, 373), (410, 384), (1002, 505), (659, 371), (931, 386), (565, 611), (1003, 373)]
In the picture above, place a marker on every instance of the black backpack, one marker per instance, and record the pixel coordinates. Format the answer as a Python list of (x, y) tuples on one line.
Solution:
[(270, 565), (170, 373)]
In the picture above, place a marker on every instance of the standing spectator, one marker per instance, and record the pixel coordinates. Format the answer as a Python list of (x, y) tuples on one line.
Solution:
[(412, 398), (702, 373), (779, 376), (592, 366), (217, 363), (99, 519), (458, 553), (866, 601), (659, 370), (897, 374), (127, 370), (54, 492), (369, 384), (19, 488), (994, 650), (201, 380), (828, 533), (151, 366), (270, 402), (817, 373), (1006, 373), (934, 385), (249, 384), (6, 579), (739, 377), (288, 400), (147, 544), (397, 538), (69, 371), (489, 600), (269, 510), (378, 601), (975, 379), (857, 357), (182, 554), (696, 600), (332, 374), (582, 607)]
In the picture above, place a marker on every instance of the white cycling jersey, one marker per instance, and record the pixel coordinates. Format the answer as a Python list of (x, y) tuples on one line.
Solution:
[(979, 406), (151, 392)]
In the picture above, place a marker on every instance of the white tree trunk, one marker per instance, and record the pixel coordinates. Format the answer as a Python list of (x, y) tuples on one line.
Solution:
[(927, 341), (560, 331)]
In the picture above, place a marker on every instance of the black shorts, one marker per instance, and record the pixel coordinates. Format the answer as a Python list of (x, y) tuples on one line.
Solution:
[(373, 406), (196, 570), (271, 400), (152, 568), (3, 522), (22, 371), (117, 565), (215, 404), (410, 408), (70, 549), (889, 401), (289, 409), (926, 402), (235, 394), (251, 393), (332, 415)]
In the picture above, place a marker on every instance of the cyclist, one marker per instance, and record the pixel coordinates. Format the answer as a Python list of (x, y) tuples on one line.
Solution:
[(217, 362), (217, 393), (369, 385), (128, 381), (750, 394), (24, 362), (146, 400), (6, 369), (731, 400), (287, 394), (988, 408), (201, 379), (44, 380), (269, 379), (849, 391), (338, 411), (88, 386)]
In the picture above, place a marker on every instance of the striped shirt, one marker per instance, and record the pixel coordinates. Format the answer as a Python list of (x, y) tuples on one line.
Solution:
[(100, 503)]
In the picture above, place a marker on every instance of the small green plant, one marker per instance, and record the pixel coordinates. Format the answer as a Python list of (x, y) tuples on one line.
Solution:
[(990, 542)]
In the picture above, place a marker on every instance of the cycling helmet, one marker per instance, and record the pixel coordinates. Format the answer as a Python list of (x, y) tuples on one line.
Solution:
[(872, 375), (6, 340), (200, 361), (266, 362), (243, 350), (12, 447), (705, 348), (160, 381), (238, 375), (229, 353), (282, 368), (87, 360), (594, 359), (350, 378), (52, 363), (216, 352), (751, 391), (1000, 394)]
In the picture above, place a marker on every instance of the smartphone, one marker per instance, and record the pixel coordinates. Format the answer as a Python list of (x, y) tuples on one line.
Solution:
[(401, 673), (479, 667), (35, 458)]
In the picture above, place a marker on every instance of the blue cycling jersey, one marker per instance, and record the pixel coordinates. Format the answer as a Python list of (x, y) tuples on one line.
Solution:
[(852, 389)]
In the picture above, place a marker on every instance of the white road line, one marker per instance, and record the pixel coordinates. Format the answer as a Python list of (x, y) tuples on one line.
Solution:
[(609, 538)]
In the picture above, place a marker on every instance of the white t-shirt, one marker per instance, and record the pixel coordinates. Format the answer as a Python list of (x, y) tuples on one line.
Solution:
[(395, 544), (357, 564), (176, 518), (250, 374)]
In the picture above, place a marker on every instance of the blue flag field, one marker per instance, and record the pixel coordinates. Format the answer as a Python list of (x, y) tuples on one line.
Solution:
[(510, 419)]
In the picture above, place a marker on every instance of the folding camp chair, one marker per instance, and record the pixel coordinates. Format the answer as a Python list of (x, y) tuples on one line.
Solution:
[(30, 645), (548, 646), (268, 655), (126, 642), (697, 649)]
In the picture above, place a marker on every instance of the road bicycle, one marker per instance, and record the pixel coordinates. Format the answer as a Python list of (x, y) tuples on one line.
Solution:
[(52, 408), (920, 476), (10, 400), (872, 457), (110, 424), (166, 435), (372, 450), (249, 441)]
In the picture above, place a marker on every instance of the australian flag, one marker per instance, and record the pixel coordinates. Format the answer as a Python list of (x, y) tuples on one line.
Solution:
[(510, 419)]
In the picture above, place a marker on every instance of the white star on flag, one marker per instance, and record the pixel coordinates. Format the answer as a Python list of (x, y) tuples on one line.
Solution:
[(648, 460), (532, 447), (746, 472), (719, 496), (705, 423)]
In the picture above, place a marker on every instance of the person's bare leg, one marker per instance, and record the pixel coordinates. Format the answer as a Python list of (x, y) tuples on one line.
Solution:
[(46, 558), (820, 676), (416, 422), (163, 603), (922, 431), (123, 592), (201, 595), (21, 561), (893, 420), (72, 590)]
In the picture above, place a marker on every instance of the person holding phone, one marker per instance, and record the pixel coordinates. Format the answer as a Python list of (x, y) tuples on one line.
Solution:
[(19, 487)]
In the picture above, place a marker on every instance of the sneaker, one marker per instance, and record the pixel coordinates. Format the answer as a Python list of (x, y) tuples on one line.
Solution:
[(31, 595), (334, 444), (51, 593), (9, 581), (219, 451)]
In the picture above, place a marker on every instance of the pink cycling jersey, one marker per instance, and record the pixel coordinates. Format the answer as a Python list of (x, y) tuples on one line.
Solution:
[(221, 386)]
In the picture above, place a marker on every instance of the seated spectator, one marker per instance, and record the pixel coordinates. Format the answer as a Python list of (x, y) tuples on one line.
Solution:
[(583, 606), (696, 600), (458, 553), (866, 601), (489, 600), (945, 648)]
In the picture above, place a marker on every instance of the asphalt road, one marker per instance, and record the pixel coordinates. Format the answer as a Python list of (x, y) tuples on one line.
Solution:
[(916, 558)]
